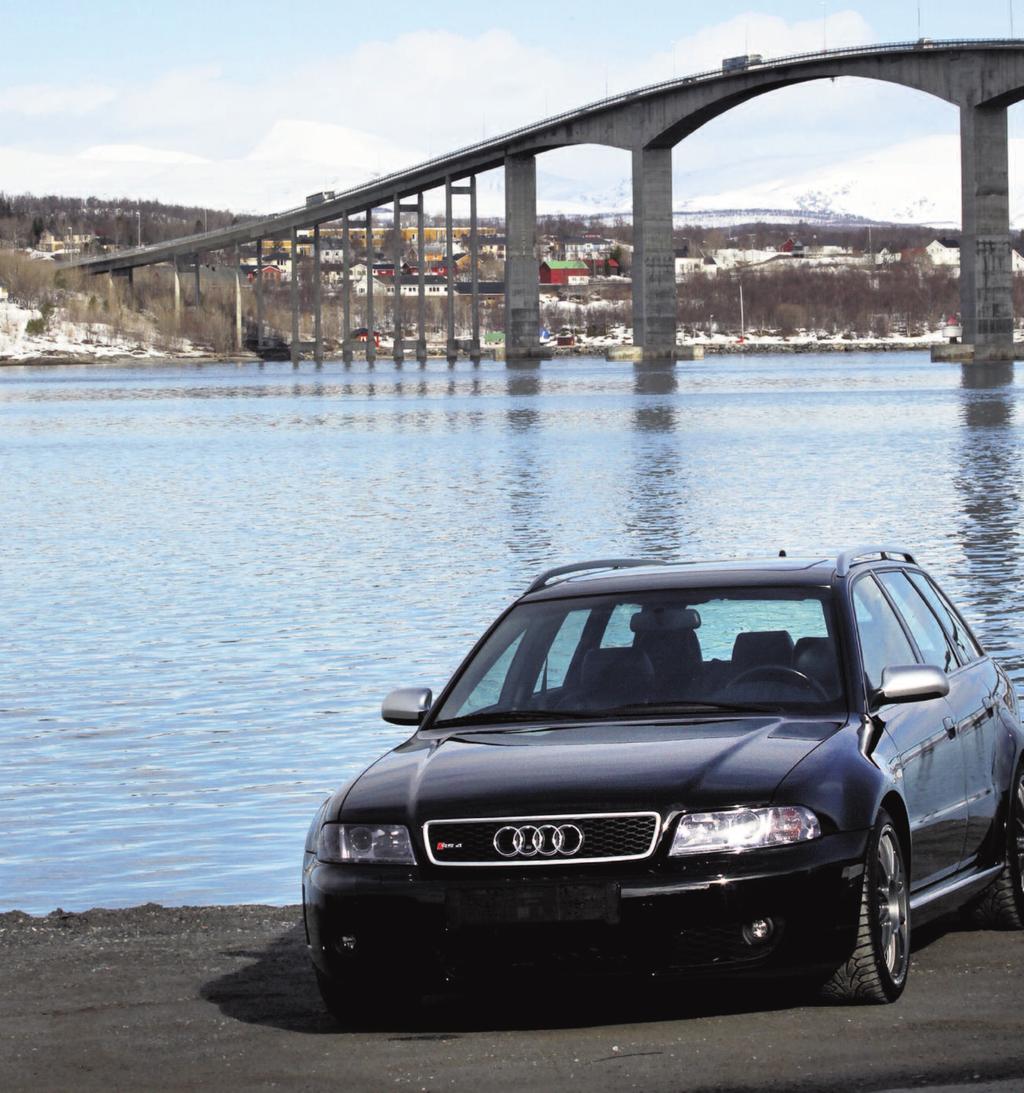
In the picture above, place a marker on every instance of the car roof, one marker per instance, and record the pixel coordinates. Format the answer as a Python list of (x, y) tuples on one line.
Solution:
[(615, 575), (699, 574)]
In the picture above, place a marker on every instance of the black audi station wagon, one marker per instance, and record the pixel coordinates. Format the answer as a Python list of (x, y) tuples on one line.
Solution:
[(681, 769)]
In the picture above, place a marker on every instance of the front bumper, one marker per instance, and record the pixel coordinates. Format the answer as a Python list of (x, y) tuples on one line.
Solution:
[(668, 917)]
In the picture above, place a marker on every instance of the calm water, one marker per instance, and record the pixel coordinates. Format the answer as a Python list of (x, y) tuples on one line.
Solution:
[(212, 574)]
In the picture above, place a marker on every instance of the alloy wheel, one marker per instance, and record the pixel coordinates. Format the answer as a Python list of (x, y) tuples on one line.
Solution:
[(1018, 828), (893, 904)]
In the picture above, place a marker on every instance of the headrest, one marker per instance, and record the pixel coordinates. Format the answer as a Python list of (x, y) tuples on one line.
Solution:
[(815, 656), (602, 666), (811, 647), (760, 647), (664, 618)]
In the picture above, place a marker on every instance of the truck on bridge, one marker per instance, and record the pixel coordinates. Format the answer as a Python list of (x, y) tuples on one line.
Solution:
[(744, 61)]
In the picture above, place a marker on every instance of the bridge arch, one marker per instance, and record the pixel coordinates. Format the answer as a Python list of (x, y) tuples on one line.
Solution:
[(980, 86)]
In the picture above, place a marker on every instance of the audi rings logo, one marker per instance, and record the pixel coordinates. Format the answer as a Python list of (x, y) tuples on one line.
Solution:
[(538, 840)]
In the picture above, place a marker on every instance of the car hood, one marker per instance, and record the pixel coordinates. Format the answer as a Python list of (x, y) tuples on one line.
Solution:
[(583, 768)]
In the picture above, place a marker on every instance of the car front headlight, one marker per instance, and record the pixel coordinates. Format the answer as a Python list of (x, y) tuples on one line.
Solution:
[(743, 829), (383, 844)]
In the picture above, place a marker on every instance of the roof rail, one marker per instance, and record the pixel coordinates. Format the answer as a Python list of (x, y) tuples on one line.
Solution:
[(849, 558), (581, 567)]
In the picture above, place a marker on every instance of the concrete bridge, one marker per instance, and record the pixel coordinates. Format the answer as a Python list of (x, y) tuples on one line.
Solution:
[(979, 77)]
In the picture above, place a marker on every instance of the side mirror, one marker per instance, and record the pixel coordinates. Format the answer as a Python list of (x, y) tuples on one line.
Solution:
[(407, 705), (912, 683)]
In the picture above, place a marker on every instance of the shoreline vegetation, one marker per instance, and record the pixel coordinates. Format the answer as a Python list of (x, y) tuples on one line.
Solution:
[(763, 347), (60, 316)]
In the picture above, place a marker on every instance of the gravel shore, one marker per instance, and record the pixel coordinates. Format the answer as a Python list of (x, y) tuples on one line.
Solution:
[(200, 997)]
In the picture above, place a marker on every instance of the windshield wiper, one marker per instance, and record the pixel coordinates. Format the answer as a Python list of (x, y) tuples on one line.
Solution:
[(687, 707), (498, 717), (654, 709)]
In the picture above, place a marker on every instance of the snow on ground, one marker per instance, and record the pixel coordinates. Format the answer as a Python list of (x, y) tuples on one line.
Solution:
[(64, 339)]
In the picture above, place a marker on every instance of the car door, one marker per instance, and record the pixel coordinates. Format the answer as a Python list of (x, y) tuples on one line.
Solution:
[(972, 696), (928, 757)]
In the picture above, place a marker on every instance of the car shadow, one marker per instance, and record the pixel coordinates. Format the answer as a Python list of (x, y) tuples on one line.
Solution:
[(276, 988), (925, 936)]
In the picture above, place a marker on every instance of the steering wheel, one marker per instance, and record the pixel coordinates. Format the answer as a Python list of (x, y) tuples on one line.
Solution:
[(779, 673)]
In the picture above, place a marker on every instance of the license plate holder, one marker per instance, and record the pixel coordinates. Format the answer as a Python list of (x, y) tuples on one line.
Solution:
[(523, 905)]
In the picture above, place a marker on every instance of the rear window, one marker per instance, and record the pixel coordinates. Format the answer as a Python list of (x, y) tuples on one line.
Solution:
[(958, 633), (922, 623)]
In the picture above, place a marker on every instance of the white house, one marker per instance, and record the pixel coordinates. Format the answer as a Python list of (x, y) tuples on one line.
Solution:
[(944, 252), (581, 247), (735, 257)]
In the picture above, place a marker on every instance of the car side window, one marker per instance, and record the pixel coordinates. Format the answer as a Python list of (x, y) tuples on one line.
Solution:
[(617, 633), (561, 651), (488, 691), (969, 649), (883, 643), (921, 622)]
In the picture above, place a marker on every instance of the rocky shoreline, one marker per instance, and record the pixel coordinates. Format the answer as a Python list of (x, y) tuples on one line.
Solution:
[(383, 355)]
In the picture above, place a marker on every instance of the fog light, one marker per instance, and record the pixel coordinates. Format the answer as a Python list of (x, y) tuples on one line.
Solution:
[(759, 931)]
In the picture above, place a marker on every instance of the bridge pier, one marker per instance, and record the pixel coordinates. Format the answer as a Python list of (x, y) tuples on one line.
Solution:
[(474, 275), (449, 269), (986, 282), (371, 345), (318, 326), (522, 277), (176, 268), (346, 291), (238, 297), (259, 294), (654, 274), (197, 303), (421, 291), (294, 286), (398, 348)]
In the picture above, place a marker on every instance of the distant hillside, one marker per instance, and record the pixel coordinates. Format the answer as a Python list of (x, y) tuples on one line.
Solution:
[(24, 217)]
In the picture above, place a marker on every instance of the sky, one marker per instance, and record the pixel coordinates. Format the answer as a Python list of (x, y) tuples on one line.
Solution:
[(252, 105)]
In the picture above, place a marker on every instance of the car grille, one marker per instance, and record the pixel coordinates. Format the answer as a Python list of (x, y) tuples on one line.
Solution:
[(606, 837)]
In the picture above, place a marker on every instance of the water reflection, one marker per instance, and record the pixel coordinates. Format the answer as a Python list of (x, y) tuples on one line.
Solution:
[(660, 474), (988, 480), (522, 382), (527, 539), (654, 385)]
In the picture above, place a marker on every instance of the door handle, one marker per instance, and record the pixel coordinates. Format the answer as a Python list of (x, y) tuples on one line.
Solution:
[(950, 726)]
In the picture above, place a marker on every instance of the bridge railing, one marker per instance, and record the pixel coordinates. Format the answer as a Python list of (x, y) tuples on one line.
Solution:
[(618, 99)]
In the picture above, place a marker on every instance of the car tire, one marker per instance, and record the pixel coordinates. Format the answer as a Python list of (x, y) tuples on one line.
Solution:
[(1001, 905), (876, 971)]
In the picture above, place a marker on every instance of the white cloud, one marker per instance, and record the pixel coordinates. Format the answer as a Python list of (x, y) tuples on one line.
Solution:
[(36, 100), (769, 35)]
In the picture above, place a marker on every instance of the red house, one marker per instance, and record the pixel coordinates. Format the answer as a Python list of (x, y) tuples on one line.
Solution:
[(602, 267), (271, 274), (569, 272)]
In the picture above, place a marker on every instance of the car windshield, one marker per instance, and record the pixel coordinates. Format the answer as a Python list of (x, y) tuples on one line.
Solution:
[(676, 651)]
